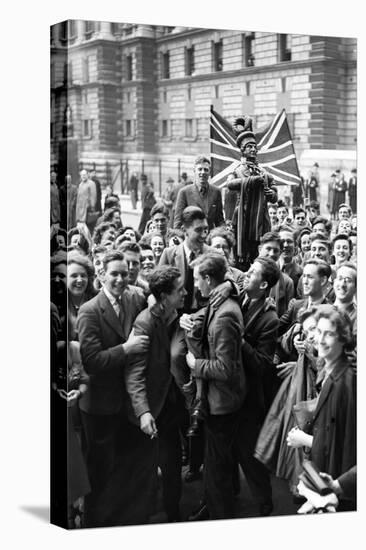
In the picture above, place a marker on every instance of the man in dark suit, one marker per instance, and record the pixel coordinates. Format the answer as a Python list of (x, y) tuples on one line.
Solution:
[(106, 344), (200, 193), (258, 348), (220, 366), (157, 406)]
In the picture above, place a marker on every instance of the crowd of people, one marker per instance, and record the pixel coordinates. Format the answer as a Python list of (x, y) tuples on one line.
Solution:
[(221, 343)]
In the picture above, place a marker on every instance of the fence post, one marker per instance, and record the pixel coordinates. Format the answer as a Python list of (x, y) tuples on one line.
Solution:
[(121, 171), (160, 177)]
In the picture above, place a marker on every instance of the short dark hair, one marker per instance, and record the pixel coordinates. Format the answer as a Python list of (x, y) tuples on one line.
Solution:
[(159, 208), (313, 204), (224, 233), (192, 213), (270, 270), (162, 279), (297, 209), (111, 256), (111, 202), (200, 159), (319, 219), (213, 264), (319, 237), (323, 268), (129, 246), (271, 236), (342, 237), (282, 204), (99, 249), (108, 213)]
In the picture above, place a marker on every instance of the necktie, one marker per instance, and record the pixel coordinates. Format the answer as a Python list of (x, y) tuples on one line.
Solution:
[(189, 284), (203, 191)]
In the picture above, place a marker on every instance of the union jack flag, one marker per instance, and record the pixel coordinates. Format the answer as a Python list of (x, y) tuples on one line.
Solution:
[(276, 153)]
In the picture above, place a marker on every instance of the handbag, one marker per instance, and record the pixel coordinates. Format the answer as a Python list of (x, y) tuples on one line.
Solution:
[(312, 480), (91, 216), (304, 412)]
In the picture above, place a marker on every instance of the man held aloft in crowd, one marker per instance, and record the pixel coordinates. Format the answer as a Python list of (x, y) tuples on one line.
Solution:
[(256, 189), (106, 344), (221, 368), (201, 193)]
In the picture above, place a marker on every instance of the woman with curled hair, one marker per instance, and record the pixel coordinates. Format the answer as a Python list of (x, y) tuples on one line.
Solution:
[(78, 240), (80, 289), (332, 438), (104, 232), (113, 215)]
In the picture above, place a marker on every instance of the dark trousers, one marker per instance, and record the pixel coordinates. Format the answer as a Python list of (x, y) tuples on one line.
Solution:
[(220, 433), (257, 475), (170, 460), (100, 437)]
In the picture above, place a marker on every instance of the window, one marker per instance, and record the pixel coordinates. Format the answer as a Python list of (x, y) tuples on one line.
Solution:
[(115, 29), (284, 51), (86, 69), (63, 31), (129, 67), (164, 128), (87, 128), (72, 31), (217, 53), (85, 97), (165, 96), (69, 72), (128, 128), (89, 29), (248, 49), (189, 127), (189, 61), (165, 65)]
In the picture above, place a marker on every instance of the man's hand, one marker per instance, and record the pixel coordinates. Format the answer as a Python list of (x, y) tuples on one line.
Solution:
[(332, 483), (147, 425), (284, 369), (72, 397), (186, 323), (136, 344), (191, 360), (269, 193), (220, 294)]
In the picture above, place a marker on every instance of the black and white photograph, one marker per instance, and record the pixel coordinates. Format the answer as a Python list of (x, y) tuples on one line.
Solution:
[(201, 301)]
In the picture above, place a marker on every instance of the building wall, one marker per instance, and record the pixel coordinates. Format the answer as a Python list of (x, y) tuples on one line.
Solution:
[(144, 115)]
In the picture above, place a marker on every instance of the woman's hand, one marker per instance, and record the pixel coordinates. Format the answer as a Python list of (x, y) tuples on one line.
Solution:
[(186, 323), (297, 438)]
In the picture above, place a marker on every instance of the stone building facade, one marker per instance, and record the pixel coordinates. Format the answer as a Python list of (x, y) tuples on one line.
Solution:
[(138, 96)]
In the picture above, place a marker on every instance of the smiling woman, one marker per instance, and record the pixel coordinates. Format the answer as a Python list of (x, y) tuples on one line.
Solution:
[(80, 277)]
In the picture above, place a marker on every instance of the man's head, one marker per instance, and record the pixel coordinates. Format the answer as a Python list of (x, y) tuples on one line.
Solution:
[(157, 244), (321, 225), (270, 246), (344, 212), (282, 212), (84, 175), (315, 277), (166, 285), (202, 168), (195, 227), (99, 252), (58, 277), (345, 283), (262, 275), (160, 217), (288, 244), (115, 272), (132, 256), (53, 177), (272, 212), (147, 262), (209, 271), (222, 240), (341, 248), (299, 216), (313, 209), (320, 247)]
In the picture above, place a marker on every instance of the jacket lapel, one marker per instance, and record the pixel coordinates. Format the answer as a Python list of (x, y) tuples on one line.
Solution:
[(197, 197), (326, 389), (109, 314), (254, 311)]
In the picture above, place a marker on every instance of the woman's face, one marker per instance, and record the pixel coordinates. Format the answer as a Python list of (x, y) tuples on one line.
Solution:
[(157, 245), (344, 227), (77, 279), (327, 340), (305, 243), (309, 329)]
